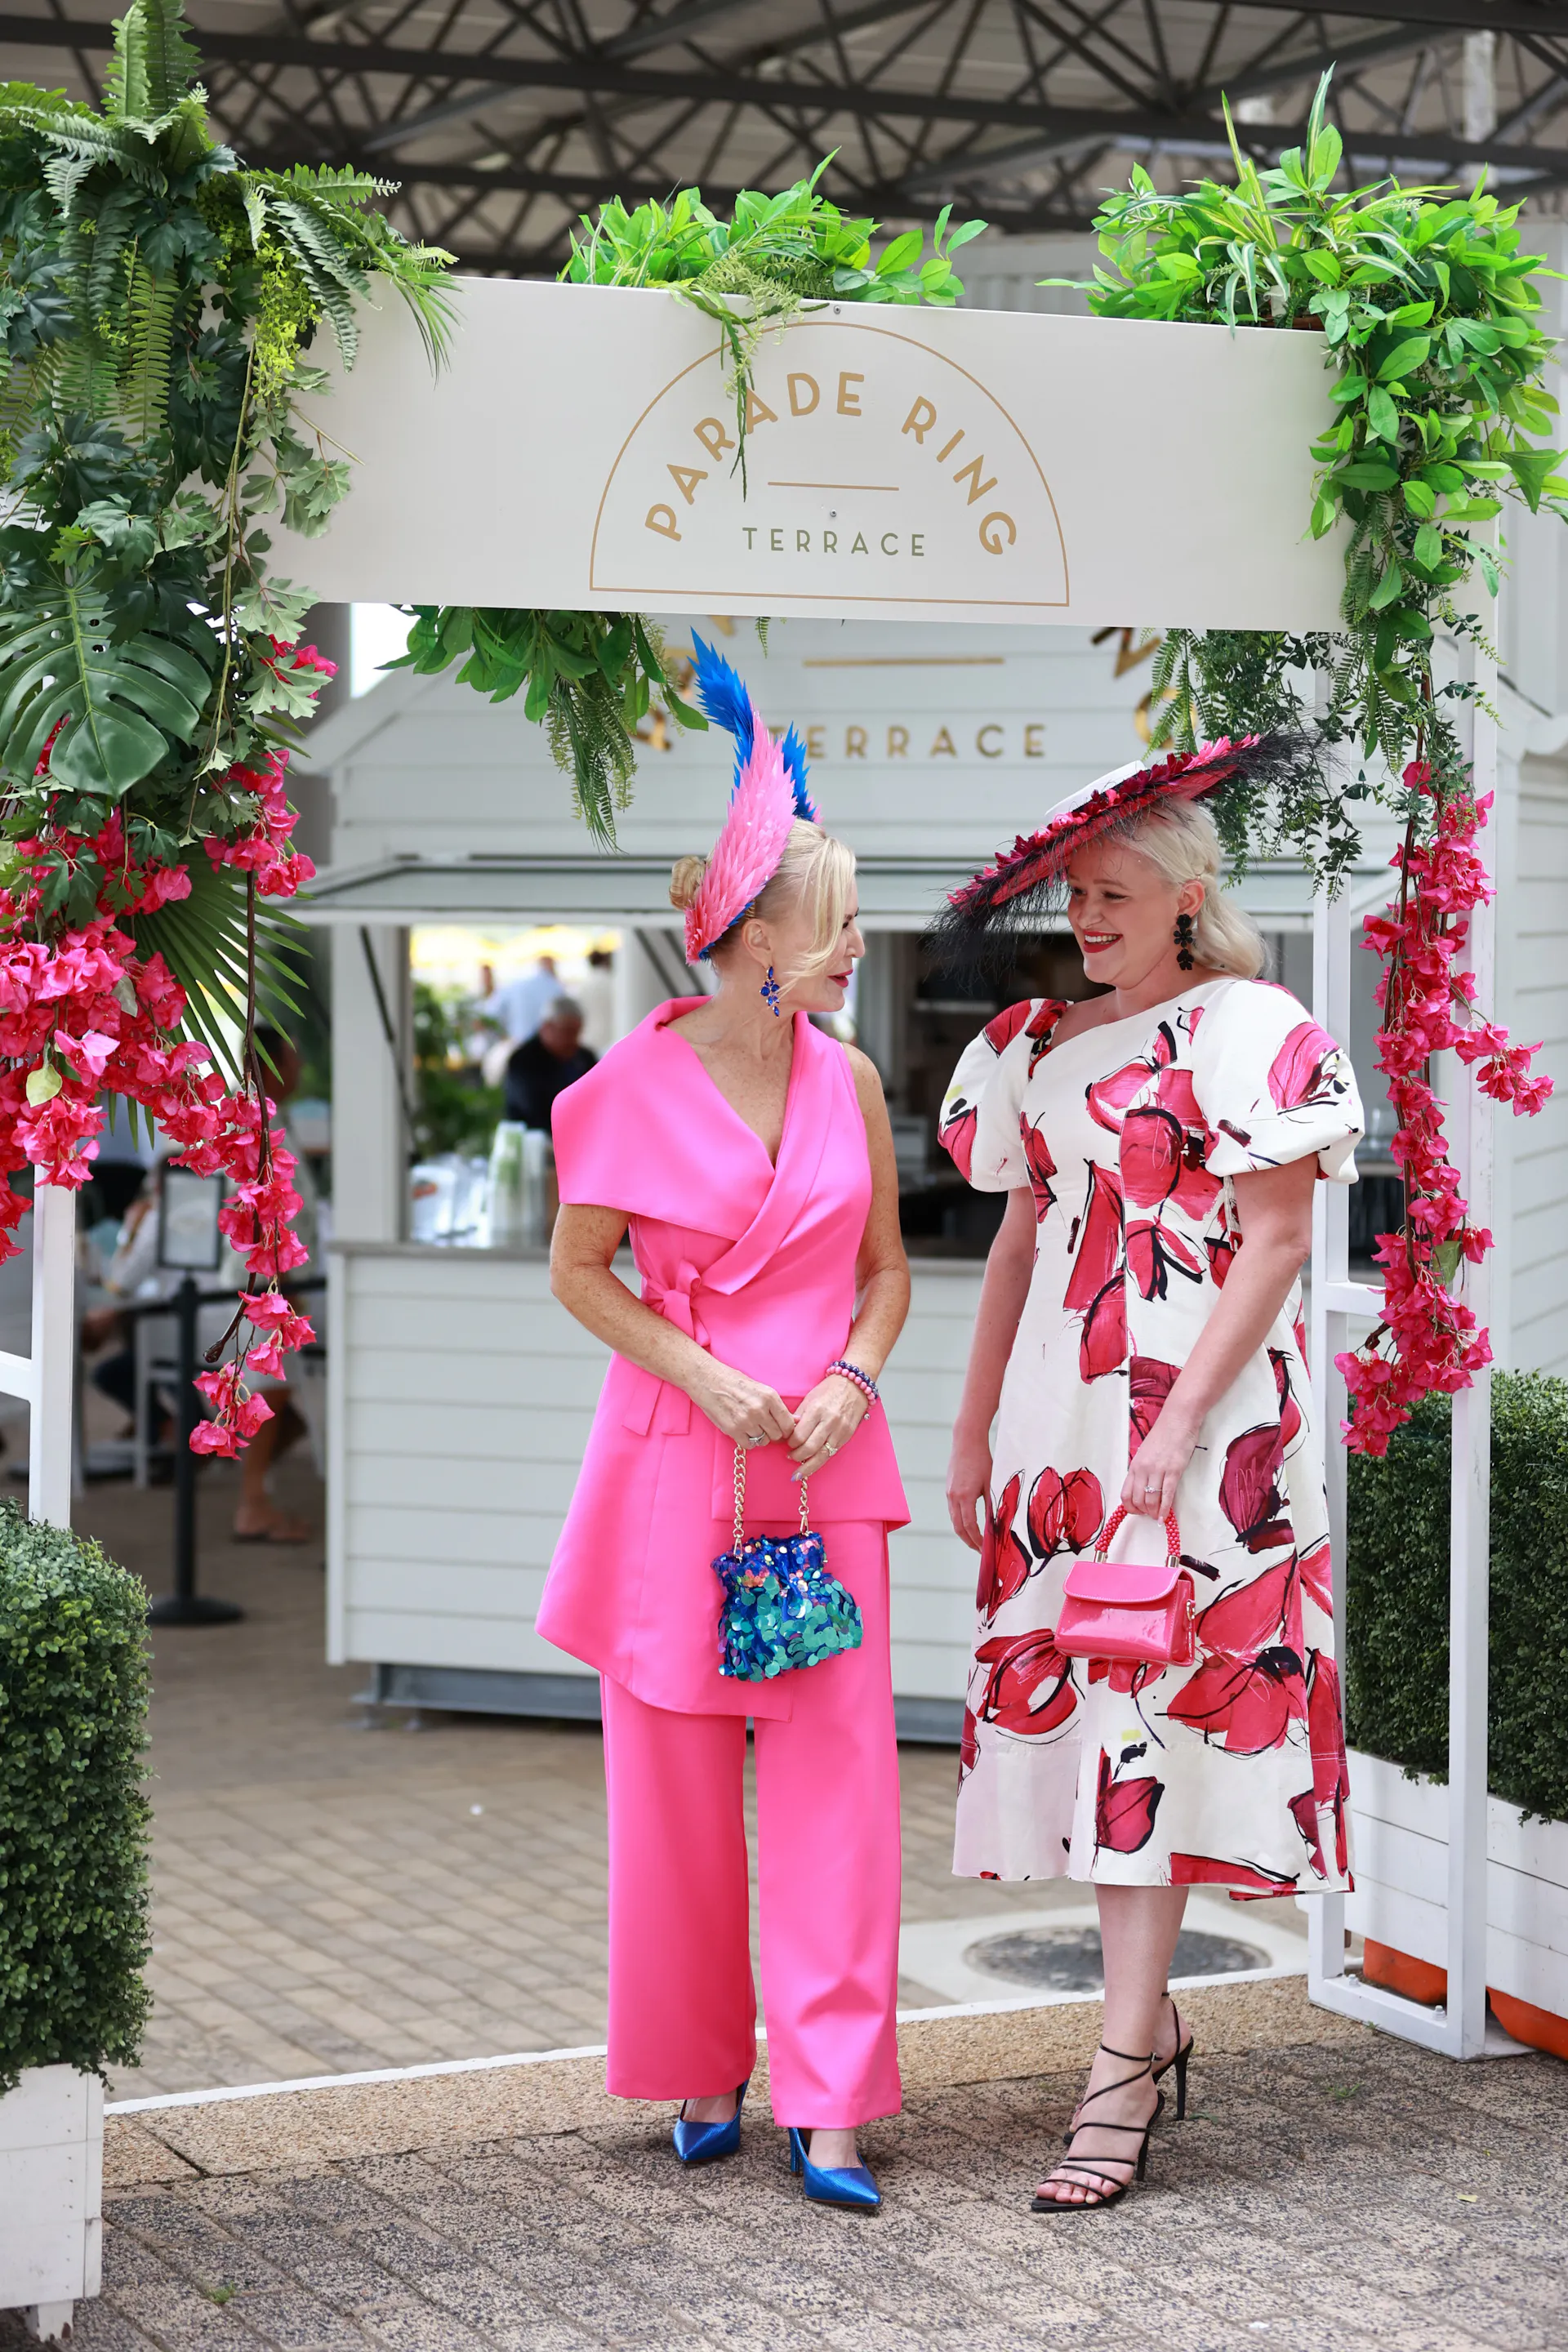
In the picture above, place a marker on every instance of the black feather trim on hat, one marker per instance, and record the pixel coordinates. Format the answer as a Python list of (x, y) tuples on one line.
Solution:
[(983, 919)]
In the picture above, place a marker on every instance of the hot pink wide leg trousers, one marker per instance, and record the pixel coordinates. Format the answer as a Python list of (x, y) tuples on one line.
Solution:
[(683, 2005)]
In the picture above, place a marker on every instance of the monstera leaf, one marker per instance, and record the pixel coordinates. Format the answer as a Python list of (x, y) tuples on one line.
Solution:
[(203, 939), (124, 706)]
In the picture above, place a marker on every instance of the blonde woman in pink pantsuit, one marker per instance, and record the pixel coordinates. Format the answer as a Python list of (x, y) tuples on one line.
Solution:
[(750, 1159)]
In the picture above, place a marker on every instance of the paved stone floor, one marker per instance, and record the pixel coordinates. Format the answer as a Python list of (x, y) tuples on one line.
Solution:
[(1323, 2199), (330, 1898)]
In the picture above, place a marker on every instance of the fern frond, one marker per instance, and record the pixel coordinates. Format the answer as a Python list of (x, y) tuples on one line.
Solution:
[(145, 382), (153, 65)]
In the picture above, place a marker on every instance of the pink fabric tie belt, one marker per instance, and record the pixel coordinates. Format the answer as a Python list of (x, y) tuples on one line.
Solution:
[(658, 1404)]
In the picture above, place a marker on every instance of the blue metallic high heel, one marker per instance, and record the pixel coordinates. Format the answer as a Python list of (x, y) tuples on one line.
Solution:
[(701, 2142), (849, 2185)]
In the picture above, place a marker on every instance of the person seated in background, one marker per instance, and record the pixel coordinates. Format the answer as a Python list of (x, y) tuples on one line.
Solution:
[(546, 1065)]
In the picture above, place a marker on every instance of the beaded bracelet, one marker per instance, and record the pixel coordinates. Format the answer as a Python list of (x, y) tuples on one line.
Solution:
[(863, 1381)]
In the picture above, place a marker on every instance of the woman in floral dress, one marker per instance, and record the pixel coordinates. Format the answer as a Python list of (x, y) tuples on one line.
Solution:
[(1139, 1341)]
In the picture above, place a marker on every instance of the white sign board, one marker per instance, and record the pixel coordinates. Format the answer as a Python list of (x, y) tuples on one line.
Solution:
[(580, 453)]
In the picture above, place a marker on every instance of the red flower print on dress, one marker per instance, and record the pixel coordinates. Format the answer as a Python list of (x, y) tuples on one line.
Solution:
[(1290, 1411), (1150, 1382), (1099, 1243), (1326, 1731), (1041, 1167), (1317, 1576), (1304, 1069), (1004, 1568), (1108, 1098), (1041, 1029), (1249, 1487), (1254, 1616), (1065, 1514), (1221, 1250), (1124, 1811), (1103, 1346), (1029, 1687), (1247, 1707), (1125, 1678), (1151, 1155), (1154, 1254), (968, 1747), (1000, 1032), (956, 1136), (1208, 1870)]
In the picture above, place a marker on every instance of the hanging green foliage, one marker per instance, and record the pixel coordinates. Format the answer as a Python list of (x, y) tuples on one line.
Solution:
[(158, 303), (1430, 315), (590, 676)]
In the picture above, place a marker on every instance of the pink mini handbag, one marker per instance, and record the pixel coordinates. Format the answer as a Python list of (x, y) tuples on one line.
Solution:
[(1137, 1610)]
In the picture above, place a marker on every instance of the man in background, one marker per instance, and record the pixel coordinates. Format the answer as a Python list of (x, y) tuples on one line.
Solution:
[(522, 1005), (545, 1066)]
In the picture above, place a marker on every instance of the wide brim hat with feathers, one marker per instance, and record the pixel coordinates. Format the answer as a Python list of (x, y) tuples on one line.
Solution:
[(984, 915), (769, 795)]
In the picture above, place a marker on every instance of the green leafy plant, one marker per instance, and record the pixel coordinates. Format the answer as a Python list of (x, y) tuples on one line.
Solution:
[(454, 1110), (590, 676), (1429, 311), (157, 304), (1396, 1664), (73, 1819)]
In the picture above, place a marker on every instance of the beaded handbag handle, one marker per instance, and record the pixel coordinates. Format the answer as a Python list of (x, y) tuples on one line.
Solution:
[(1173, 1535), (741, 1500)]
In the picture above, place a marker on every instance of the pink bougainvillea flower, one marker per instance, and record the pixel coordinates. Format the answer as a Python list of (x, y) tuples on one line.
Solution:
[(1065, 1514), (1029, 1688), (1124, 1811)]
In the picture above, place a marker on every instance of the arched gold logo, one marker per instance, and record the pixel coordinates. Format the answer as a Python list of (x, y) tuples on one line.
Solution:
[(879, 471)]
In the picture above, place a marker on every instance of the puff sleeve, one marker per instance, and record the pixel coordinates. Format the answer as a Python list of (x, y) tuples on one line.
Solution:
[(1272, 1086), (981, 1114)]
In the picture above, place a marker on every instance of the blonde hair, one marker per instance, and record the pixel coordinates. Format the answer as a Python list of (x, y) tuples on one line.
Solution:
[(817, 873), (1180, 839)]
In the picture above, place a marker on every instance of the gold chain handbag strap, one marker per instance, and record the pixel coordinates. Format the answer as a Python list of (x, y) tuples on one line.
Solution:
[(741, 1500)]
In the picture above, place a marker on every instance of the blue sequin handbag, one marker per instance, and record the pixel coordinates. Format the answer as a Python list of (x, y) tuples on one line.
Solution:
[(781, 1607)]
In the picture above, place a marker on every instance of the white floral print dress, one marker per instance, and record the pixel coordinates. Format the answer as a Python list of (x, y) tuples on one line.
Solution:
[(1230, 1771)]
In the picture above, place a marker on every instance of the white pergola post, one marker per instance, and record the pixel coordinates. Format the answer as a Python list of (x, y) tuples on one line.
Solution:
[(1458, 2028), (45, 1377)]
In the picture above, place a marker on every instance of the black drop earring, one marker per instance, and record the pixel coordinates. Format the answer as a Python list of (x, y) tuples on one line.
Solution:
[(1186, 932)]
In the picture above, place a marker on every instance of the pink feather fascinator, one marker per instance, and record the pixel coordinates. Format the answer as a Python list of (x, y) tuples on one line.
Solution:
[(769, 795)]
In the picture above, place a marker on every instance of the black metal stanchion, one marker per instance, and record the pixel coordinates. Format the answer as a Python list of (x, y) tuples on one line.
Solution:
[(185, 1605)]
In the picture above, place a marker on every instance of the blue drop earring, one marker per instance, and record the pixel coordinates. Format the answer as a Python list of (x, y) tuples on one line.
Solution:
[(769, 993)]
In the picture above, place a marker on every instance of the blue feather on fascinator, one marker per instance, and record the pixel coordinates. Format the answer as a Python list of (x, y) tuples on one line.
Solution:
[(725, 699)]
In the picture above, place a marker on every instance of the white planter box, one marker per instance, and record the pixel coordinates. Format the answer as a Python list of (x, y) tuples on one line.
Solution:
[(1401, 1852), (51, 2196)]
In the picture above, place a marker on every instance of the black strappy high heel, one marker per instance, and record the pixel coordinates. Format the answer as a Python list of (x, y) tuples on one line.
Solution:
[(1183, 2051), (1101, 2188)]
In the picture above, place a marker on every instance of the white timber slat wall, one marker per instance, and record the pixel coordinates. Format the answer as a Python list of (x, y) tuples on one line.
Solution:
[(467, 1399), (1532, 938)]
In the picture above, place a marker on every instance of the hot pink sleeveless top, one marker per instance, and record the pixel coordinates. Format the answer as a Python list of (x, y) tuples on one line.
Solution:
[(757, 1262)]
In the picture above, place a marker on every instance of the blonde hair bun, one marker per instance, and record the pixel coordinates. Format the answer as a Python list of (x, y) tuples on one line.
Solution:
[(686, 880)]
